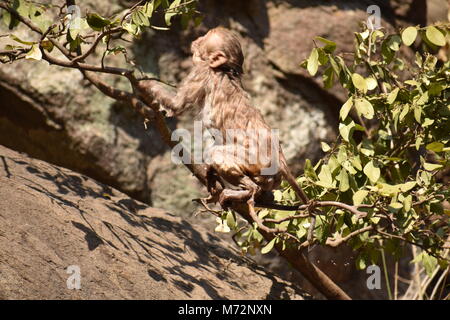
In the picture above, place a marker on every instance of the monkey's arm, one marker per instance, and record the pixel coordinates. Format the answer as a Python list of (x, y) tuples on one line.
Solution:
[(171, 101), (153, 93)]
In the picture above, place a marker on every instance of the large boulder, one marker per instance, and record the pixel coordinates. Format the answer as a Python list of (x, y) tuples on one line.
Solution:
[(54, 221)]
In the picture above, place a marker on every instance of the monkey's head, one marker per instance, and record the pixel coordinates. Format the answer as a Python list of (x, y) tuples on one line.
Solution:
[(220, 49)]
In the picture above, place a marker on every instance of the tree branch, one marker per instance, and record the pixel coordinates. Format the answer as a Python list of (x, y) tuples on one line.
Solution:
[(50, 59), (95, 43)]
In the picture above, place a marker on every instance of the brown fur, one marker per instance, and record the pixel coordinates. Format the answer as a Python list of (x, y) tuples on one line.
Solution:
[(225, 105)]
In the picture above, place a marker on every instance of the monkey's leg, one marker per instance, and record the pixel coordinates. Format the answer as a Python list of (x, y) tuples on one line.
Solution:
[(254, 190), (211, 179), (230, 165), (203, 203), (248, 191), (229, 195)]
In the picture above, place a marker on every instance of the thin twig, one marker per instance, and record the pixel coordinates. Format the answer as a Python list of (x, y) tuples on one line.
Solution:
[(95, 43)]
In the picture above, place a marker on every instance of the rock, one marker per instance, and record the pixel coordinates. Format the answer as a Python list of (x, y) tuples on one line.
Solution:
[(52, 219), (438, 11)]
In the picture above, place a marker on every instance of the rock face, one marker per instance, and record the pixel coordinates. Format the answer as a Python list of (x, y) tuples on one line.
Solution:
[(52, 219), (54, 115)]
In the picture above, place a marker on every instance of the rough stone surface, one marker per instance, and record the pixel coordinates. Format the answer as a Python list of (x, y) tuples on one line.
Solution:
[(52, 218)]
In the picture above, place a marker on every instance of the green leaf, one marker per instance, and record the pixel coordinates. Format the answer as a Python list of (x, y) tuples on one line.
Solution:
[(329, 47), (371, 83), (392, 96), (323, 57), (423, 99), (344, 184), (419, 141), (431, 166), (367, 148), (97, 22), (345, 109), (325, 177), (198, 20), (407, 203), (328, 78), (435, 146), (278, 195), (268, 246), (348, 166), (365, 108), (262, 213), (42, 22), (231, 222), (395, 207), (435, 89), (377, 34), (394, 42), (417, 113), (34, 53), (429, 263), (359, 82), (139, 18), (346, 130), (360, 263), (301, 232), (15, 38), (171, 12), (359, 196), (76, 26), (409, 35), (387, 189), (430, 63), (309, 170), (372, 172), (47, 45), (435, 36), (427, 122), (131, 28), (356, 162), (222, 226), (9, 20), (74, 44), (148, 9), (386, 52), (375, 220), (325, 147), (404, 112), (335, 66), (313, 62), (405, 187), (23, 8)]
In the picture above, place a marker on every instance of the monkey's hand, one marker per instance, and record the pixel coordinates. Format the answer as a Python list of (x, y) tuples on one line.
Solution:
[(157, 96)]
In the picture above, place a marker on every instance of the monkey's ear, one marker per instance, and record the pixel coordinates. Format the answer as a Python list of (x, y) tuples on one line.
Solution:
[(216, 59)]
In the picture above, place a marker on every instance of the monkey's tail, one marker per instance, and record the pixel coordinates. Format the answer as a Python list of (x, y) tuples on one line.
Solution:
[(291, 179)]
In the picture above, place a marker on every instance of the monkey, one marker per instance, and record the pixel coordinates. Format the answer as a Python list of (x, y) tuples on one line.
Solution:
[(214, 84)]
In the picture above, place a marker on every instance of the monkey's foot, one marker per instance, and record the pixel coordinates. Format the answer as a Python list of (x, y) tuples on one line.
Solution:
[(204, 203), (229, 195), (211, 179)]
